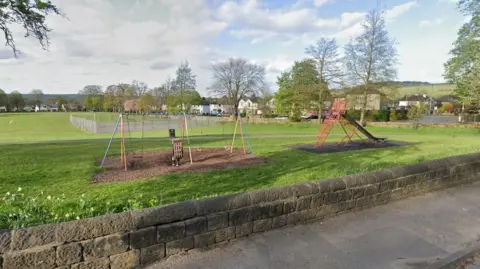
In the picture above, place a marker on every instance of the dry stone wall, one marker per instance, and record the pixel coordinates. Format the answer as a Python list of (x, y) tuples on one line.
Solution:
[(136, 238)]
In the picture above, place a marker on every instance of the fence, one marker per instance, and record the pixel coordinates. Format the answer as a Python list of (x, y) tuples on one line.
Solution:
[(150, 123)]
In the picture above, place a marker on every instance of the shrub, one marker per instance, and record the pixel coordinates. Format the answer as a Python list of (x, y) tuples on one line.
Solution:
[(447, 107), (393, 115), (382, 115)]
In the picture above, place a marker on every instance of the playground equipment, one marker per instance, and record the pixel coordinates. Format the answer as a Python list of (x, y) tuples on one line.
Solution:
[(123, 155), (244, 135), (336, 114)]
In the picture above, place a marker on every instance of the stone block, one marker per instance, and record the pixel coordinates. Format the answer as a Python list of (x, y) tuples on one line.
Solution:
[(74, 231), (361, 202), (152, 254), (33, 237), (309, 214), (195, 226), (170, 232), (244, 230), (350, 181), (349, 205), (337, 208), (223, 203), (319, 200), (371, 190), (276, 209), (302, 189), (69, 254), (322, 212), (294, 218), (279, 221), (5, 240), (105, 246), (203, 240), (224, 234), (262, 225), (383, 175), (178, 246), (358, 192), (337, 184), (94, 264), (344, 196), (143, 237), (117, 223), (265, 210), (289, 206), (40, 258), (256, 211), (364, 179), (217, 221), (304, 203), (240, 216), (164, 214), (127, 260), (271, 194), (332, 198)]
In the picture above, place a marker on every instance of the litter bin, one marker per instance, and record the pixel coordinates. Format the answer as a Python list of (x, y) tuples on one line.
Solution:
[(171, 133)]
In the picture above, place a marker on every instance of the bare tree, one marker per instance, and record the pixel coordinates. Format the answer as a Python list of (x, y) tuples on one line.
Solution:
[(371, 56), (139, 88), (236, 79), (37, 96), (327, 60)]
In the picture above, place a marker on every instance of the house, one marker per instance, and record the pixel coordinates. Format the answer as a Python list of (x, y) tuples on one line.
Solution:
[(414, 100), (3, 108), (54, 108), (270, 105), (41, 108), (248, 105), (376, 100), (220, 109)]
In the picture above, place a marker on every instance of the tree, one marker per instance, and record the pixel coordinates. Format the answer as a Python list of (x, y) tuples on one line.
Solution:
[(139, 88), (371, 56), (91, 91), (31, 16), (61, 102), (109, 99), (463, 69), (3, 99), (96, 102), (147, 102), (299, 90), (264, 101), (87, 103), (415, 113), (16, 100), (37, 96), (236, 79), (184, 82)]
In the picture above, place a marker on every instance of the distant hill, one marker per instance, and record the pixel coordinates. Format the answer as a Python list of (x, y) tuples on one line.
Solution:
[(46, 97)]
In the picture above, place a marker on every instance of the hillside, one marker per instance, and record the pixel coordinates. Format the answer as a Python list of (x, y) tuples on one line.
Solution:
[(434, 90)]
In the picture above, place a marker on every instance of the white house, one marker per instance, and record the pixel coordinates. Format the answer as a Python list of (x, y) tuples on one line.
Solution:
[(3, 109), (201, 109), (414, 100), (270, 105), (248, 106)]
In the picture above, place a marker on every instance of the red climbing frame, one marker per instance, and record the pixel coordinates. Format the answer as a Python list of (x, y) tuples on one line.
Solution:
[(338, 108)]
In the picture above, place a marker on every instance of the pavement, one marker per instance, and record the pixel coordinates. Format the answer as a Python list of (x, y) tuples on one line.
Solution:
[(407, 234)]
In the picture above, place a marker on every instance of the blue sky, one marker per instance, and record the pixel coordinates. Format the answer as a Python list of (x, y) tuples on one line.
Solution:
[(110, 41)]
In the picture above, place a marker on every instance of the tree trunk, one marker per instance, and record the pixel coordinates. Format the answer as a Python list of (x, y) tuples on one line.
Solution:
[(364, 108)]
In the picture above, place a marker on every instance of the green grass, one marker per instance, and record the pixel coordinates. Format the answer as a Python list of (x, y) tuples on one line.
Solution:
[(66, 167), (430, 90)]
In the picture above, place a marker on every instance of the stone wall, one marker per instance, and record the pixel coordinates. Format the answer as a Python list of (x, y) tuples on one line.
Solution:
[(136, 238)]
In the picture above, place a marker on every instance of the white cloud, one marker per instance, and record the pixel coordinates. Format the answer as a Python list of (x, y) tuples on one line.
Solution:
[(112, 45), (399, 10), (424, 23), (319, 3)]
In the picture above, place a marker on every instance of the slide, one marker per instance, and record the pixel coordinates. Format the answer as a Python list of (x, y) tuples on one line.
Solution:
[(362, 130)]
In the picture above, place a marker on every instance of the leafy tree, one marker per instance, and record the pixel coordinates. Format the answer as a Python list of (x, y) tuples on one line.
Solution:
[(61, 102), (30, 15), (147, 101), (185, 83), (109, 99), (263, 102), (236, 79), (96, 102), (87, 102), (463, 69), (16, 100), (371, 56), (37, 96), (298, 90), (91, 90), (162, 94), (3, 99)]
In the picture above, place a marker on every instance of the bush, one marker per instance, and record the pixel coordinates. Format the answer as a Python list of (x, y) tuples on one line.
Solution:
[(447, 107), (382, 115), (393, 115), (402, 115)]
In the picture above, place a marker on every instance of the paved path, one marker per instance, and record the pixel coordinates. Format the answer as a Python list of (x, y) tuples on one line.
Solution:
[(405, 234)]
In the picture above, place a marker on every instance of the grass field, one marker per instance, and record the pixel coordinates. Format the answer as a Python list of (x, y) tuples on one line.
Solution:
[(66, 167), (430, 90)]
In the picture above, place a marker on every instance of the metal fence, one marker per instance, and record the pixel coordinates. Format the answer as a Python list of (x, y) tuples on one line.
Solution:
[(150, 123)]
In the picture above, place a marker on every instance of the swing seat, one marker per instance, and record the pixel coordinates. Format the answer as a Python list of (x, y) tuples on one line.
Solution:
[(177, 151)]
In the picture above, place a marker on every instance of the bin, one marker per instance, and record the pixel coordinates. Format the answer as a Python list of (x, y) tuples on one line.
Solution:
[(171, 133)]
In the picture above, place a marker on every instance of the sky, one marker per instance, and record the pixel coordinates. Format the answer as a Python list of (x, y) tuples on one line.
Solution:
[(106, 42)]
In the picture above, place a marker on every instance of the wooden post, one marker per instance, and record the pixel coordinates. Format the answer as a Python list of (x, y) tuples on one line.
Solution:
[(234, 133), (188, 138), (243, 138)]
